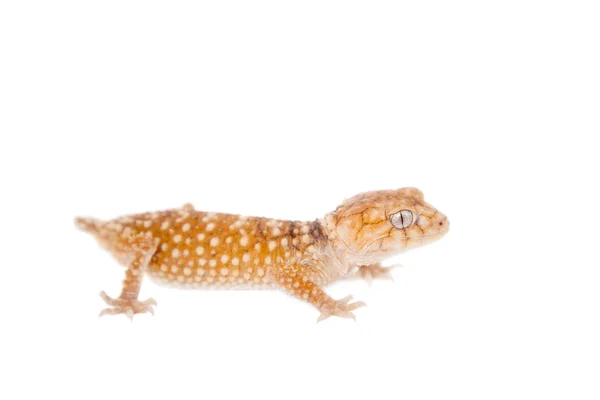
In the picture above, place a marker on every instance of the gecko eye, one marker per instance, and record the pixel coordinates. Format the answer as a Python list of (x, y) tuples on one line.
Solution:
[(402, 219)]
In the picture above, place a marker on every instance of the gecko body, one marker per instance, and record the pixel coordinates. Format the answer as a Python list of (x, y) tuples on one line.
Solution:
[(194, 249)]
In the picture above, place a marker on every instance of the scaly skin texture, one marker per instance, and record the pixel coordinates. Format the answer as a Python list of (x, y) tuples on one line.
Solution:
[(193, 249)]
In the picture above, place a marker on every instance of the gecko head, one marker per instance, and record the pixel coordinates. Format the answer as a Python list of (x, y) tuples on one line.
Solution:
[(373, 226)]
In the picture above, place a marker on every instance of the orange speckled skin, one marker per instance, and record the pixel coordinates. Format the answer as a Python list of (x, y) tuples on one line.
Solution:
[(194, 249)]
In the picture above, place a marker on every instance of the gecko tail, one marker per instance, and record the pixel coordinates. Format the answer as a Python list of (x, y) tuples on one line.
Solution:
[(89, 225)]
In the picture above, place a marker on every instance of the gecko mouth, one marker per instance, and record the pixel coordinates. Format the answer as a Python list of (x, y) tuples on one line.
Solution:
[(426, 236), (409, 238), (439, 233), (424, 239)]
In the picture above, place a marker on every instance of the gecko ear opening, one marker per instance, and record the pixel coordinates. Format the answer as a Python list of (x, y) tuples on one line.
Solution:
[(412, 192)]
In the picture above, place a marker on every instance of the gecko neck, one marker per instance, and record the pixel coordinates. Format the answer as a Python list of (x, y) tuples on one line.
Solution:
[(338, 254)]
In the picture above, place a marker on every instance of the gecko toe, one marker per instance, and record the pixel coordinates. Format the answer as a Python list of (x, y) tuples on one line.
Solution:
[(149, 302), (358, 304)]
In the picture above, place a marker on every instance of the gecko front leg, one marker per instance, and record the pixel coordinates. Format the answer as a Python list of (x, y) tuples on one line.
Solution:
[(140, 250), (375, 271), (294, 280)]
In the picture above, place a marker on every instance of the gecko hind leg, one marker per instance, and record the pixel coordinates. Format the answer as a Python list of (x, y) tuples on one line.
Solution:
[(140, 249)]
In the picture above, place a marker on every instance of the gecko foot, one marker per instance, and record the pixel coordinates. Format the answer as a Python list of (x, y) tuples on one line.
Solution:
[(370, 272), (129, 307), (339, 308)]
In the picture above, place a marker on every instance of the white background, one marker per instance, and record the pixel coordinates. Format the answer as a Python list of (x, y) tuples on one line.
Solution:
[(282, 109)]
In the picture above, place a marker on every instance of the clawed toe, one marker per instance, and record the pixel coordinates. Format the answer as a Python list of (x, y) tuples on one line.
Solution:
[(340, 308), (128, 307)]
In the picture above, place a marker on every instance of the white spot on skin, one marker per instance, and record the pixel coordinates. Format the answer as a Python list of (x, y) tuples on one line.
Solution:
[(235, 261), (236, 225), (199, 250), (147, 224), (284, 242), (214, 242), (268, 260), (305, 229), (209, 216), (228, 240), (306, 239), (164, 268), (186, 252), (201, 261), (186, 227), (164, 247), (244, 241), (177, 238), (175, 253), (260, 271), (201, 236), (246, 257), (276, 232), (224, 271), (187, 271), (272, 245), (224, 258), (212, 263), (210, 227), (164, 226), (174, 269)]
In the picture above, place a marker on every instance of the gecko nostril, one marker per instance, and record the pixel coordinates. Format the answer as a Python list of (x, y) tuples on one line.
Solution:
[(441, 223)]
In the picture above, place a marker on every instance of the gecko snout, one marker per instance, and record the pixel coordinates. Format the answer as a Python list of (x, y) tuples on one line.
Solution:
[(435, 224)]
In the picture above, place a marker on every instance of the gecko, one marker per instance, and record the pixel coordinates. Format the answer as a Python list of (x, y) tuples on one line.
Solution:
[(187, 248)]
